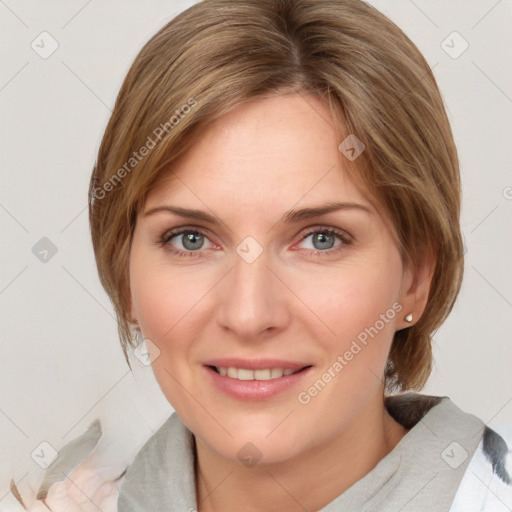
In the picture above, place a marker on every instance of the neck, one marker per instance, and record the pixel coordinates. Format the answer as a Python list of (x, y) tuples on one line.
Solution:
[(330, 469)]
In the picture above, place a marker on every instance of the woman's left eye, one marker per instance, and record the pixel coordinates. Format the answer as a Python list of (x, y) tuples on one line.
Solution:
[(191, 242), (324, 240)]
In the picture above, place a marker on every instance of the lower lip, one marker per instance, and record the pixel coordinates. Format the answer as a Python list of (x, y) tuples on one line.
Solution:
[(255, 389)]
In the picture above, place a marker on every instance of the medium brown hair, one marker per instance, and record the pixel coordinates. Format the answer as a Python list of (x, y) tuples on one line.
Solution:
[(219, 54)]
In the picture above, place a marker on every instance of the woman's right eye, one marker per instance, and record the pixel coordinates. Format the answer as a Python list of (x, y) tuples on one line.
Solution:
[(184, 242)]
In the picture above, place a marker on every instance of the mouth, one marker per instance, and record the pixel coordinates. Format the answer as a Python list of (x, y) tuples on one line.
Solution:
[(248, 374), (255, 380)]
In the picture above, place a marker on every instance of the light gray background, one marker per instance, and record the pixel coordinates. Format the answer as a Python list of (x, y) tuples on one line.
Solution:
[(60, 362)]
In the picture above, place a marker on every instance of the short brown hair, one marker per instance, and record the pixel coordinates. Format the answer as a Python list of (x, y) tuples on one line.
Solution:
[(221, 53)]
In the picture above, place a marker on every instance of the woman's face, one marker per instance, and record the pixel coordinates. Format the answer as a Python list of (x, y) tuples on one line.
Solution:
[(257, 287)]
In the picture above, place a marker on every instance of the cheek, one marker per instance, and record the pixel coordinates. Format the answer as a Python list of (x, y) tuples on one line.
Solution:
[(359, 305), (168, 306), (163, 297), (172, 305), (349, 299)]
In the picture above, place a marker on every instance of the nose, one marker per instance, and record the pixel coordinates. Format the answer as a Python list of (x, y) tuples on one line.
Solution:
[(252, 301)]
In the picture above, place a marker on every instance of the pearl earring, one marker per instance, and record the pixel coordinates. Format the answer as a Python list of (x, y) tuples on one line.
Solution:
[(408, 318)]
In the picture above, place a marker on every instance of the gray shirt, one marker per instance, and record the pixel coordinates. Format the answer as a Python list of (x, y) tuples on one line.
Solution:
[(422, 473)]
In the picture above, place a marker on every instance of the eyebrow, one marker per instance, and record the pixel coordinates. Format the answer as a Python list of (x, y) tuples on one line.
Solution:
[(290, 217)]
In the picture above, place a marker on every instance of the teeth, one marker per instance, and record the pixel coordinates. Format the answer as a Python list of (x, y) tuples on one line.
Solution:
[(261, 374), (244, 374)]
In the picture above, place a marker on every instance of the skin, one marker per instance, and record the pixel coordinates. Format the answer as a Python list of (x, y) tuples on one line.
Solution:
[(250, 167)]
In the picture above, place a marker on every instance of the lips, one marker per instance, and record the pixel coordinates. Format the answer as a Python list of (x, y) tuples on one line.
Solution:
[(255, 379)]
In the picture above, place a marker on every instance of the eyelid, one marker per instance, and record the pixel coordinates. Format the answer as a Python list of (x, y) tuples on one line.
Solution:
[(345, 240), (344, 236), (169, 234), (324, 228)]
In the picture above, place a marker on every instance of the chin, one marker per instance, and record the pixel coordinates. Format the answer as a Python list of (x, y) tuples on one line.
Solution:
[(270, 440)]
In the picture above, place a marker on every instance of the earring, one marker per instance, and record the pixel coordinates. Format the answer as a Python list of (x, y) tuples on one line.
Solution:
[(408, 318)]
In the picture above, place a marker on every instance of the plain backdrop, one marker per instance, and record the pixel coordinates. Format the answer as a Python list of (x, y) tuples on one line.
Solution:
[(61, 365)]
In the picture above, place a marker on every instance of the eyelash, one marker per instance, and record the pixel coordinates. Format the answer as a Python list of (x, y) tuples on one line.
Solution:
[(169, 235)]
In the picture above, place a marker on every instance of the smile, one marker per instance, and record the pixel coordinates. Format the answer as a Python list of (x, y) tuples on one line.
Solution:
[(246, 374), (264, 379)]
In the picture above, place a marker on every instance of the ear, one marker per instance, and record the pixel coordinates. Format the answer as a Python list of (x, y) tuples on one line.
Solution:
[(128, 294), (133, 316), (415, 289)]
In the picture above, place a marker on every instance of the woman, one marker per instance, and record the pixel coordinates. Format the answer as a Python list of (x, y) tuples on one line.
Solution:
[(275, 211)]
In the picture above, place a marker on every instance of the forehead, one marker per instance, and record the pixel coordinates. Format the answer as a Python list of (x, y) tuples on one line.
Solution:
[(279, 150)]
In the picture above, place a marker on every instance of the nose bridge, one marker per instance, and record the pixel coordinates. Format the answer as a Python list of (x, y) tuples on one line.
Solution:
[(250, 302)]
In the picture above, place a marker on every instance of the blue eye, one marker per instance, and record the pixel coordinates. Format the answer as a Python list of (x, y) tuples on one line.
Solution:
[(192, 241), (323, 240)]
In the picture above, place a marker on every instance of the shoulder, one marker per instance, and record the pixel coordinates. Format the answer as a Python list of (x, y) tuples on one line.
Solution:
[(487, 481), (477, 458), (162, 472)]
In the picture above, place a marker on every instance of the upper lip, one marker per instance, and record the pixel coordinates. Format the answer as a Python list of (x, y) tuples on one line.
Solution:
[(255, 364)]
